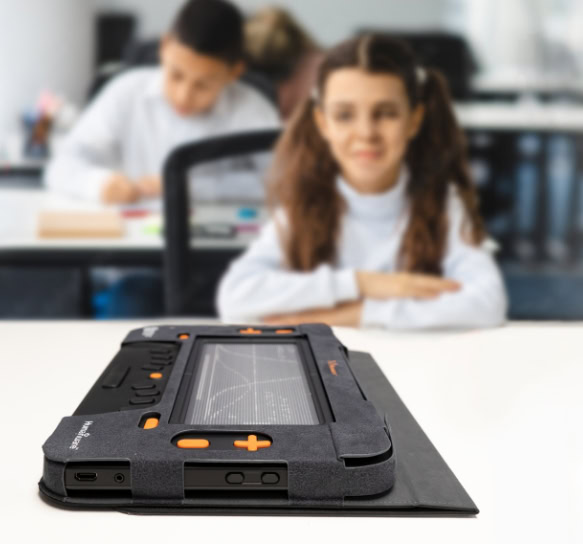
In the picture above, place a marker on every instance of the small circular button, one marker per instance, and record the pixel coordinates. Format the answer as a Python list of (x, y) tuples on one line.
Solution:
[(234, 478), (270, 478)]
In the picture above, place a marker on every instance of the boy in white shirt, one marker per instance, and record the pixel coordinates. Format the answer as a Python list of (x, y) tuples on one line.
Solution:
[(116, 151)]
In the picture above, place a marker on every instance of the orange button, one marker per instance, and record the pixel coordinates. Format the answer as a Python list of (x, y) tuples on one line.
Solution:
[(250, 331), (252, 444), (193, 443), (184, 336), (156, 376), (151, 423), (284, 331)]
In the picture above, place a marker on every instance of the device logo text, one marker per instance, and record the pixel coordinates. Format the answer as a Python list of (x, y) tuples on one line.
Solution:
[(81, 435)]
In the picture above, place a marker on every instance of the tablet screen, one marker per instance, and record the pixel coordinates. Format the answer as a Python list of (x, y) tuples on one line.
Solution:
[(250, 384)]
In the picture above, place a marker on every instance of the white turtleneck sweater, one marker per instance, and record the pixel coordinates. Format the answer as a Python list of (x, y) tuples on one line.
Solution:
[(258, 284)]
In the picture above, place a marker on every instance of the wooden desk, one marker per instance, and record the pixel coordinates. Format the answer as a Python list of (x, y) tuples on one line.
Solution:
[(503, 407)]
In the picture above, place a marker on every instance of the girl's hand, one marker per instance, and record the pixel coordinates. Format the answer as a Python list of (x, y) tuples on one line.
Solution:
[(383, 285), (343, 315), (118, 189)]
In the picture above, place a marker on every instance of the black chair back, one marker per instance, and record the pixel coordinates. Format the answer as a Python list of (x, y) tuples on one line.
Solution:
[(180, 285)]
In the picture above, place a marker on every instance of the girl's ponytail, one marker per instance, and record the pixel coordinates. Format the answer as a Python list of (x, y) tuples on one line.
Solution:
[(437, 159), (304, 172), (302, 182)]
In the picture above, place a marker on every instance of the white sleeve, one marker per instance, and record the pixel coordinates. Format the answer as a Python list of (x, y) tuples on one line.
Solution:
[(90, 153), (257, 285), (481, 302)]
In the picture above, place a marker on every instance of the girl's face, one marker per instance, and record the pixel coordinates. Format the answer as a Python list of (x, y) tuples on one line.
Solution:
[(368, 122)]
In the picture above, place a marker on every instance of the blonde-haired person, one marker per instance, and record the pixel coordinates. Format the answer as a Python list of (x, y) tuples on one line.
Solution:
[(278, 47), (377, 221)]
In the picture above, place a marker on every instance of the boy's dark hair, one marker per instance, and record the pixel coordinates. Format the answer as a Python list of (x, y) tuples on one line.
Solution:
[(211, 27)]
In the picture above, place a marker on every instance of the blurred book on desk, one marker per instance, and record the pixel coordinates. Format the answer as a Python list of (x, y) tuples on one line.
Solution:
[(55, 224)]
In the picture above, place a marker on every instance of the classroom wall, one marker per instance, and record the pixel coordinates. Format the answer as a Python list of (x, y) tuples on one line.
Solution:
[(530, 36), (44, 44), (49, 44), (329, 20)]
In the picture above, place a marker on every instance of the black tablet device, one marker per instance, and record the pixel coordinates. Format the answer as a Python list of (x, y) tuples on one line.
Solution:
[(222, 415)]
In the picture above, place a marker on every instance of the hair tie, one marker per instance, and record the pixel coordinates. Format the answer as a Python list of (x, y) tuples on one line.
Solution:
[(421, 75), (314, 94)]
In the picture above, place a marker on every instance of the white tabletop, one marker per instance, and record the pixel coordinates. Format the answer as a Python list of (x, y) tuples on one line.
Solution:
[(19, 210), (504, 116), (527, 82), (503, 407)]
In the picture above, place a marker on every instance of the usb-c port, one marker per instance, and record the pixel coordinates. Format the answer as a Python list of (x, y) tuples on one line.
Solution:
[(86, 476)]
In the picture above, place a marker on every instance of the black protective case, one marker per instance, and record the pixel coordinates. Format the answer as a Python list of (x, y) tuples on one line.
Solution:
[(421, 484)]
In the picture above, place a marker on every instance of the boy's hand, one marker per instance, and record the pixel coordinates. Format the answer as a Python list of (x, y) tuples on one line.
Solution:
[(119, 189), (150, 186), (403, 285)]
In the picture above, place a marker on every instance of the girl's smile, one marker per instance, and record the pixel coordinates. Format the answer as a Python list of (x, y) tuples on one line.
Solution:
[(368, 122)]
